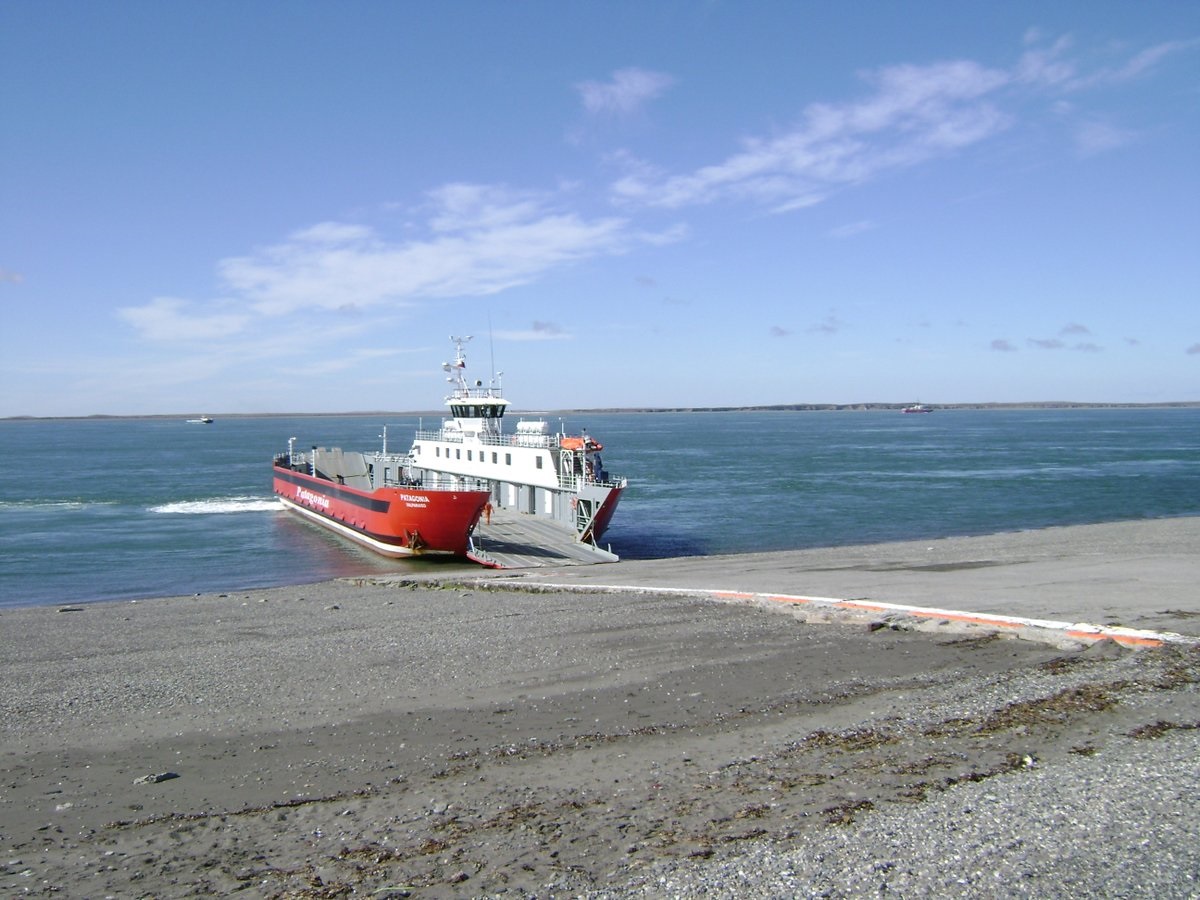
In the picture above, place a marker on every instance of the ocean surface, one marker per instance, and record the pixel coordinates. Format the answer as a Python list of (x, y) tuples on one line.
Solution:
[(134, 508)]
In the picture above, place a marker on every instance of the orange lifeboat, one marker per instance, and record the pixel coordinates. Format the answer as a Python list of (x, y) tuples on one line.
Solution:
[(580, 443)]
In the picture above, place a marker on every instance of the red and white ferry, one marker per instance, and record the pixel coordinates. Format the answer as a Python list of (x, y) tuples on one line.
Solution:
[(532, 470), (431, 499), (376, 500)]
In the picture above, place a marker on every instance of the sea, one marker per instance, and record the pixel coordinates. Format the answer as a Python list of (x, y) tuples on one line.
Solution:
[(124, 509)]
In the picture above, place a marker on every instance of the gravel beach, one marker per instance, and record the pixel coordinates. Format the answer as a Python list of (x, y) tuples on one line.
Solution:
[(538, 734)]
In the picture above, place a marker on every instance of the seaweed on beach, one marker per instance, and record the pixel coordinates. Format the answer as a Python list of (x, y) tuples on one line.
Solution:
[(1159, 728), (844, 813)]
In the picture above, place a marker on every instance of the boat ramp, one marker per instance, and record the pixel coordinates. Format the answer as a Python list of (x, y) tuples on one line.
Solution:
[(507, 539)]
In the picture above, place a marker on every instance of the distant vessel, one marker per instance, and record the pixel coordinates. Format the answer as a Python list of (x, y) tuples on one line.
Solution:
[(917, 408), (203, 420), (378, 501), (532, 470)]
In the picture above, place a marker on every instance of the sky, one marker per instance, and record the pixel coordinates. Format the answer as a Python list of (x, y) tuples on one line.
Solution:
[(252, 206)]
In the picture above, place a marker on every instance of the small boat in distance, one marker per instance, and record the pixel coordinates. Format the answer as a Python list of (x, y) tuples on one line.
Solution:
[(203, 420), (917, 408)]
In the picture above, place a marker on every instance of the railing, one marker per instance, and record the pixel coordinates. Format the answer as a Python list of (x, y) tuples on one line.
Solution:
[(542, 441), (575, 482), (476, 393), (437, 482)]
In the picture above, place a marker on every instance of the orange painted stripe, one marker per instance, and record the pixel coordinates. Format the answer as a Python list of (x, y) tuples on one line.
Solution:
[(1074, 630)]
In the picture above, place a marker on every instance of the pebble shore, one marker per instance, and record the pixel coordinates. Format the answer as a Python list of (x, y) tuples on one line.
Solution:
[(504, 738)]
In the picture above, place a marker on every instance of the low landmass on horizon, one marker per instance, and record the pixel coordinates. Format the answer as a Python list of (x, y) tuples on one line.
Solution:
[(776, 407)]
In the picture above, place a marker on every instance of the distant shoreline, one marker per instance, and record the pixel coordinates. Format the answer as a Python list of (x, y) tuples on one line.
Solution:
[(776, 407)]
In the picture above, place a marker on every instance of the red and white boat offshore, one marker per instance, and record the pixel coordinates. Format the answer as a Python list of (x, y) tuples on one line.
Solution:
[(532, 470), (376, 500)]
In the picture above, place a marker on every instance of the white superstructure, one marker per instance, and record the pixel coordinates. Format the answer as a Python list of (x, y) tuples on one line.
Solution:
[(532, 469)]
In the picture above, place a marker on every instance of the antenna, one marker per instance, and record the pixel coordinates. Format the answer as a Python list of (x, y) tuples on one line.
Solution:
[(491, 347)]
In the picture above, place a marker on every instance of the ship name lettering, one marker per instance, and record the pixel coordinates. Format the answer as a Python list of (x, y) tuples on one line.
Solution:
[(414, 498), (310, 497)]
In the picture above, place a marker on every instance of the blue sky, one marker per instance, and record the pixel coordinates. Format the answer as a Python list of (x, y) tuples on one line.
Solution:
[(288, 207)]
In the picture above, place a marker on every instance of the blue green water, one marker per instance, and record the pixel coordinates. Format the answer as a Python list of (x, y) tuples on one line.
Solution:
[(131, 508)]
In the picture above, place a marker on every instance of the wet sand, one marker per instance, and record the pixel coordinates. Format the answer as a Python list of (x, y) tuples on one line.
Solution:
[(441, 739)]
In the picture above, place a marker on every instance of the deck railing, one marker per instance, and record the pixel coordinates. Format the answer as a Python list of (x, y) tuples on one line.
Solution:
[(543, 441)]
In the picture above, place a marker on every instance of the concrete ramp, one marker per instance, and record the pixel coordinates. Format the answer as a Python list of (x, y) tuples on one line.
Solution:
[(515, 540)]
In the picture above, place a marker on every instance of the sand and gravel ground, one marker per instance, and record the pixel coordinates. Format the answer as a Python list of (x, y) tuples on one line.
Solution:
[(387, 739)]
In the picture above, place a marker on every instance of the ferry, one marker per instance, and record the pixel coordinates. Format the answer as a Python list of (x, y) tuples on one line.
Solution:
[(464, 481), (917, 408), (533, 470), (377, 500)]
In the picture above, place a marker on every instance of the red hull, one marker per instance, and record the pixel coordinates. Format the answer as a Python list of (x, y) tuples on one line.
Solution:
[(392, 521), (604, 515)]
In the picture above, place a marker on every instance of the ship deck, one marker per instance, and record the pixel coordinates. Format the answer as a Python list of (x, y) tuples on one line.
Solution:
[(515, 540)]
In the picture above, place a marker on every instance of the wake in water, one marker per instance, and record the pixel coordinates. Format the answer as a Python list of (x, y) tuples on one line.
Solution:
[(219, 505), (35, 505)]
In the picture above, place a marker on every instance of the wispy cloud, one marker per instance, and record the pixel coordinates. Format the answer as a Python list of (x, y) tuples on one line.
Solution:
[(853, 228), (626, 92), (10, 277), (1000, 345), (1092, 138), (912, 114), (483, 242), (172, 319), (478, 240), (1056, 344), (539, 331), (779, 331), (831, 324)]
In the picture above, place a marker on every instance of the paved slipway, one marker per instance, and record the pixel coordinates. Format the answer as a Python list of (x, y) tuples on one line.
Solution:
[(1114, 579)]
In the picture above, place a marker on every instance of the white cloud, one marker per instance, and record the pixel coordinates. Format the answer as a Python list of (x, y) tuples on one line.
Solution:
[(1044, 65), (1149, 58), (628, 90), (171, 319), (1048, 67), (915, 113), (853, 228), (483, 241), (1097, 137), (540, 331), (478, 240)]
